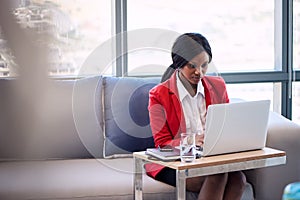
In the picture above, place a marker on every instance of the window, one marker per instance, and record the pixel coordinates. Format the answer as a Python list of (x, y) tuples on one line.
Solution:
[(296, 62), (251, 41), (241, 33), (78, 27), (253, 92), (296, 34), (296, 102)]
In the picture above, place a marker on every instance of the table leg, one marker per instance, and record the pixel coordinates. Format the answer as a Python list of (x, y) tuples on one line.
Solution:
[(138, 179), (180, 185)]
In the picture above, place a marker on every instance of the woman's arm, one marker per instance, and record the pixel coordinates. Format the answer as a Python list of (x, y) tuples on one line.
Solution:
[(159, 123)]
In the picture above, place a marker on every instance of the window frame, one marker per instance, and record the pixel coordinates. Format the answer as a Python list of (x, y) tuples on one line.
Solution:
[(283, 70)]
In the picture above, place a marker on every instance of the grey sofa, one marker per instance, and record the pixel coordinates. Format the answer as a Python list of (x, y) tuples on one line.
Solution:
[(73, 140)]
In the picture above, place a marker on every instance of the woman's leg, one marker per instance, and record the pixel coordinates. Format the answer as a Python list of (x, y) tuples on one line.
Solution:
[(194, 184), (213, 187), (235, 186), (168, 176)]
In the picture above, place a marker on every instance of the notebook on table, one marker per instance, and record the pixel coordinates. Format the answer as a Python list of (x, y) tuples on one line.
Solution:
[(168, 154)]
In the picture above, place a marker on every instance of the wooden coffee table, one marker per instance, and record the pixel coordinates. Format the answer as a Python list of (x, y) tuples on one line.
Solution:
[(207, 166)]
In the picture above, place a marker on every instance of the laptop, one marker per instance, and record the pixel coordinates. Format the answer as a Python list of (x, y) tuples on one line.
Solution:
[(236, 127)]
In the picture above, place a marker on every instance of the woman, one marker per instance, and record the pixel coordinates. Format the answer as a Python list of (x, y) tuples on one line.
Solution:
[(179, 104)]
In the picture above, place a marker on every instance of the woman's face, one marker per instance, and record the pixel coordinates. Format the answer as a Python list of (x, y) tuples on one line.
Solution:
[(194, 70)]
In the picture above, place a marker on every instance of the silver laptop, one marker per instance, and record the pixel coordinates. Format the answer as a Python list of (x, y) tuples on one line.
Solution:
[(236, 127)]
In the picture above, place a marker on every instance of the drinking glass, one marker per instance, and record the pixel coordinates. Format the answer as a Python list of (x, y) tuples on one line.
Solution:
[(187, 147)]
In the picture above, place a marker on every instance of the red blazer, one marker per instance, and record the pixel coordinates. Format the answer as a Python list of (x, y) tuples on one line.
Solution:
[(166, 114)]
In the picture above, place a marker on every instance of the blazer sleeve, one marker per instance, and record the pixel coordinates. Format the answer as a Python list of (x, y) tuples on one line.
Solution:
[(160, 123)]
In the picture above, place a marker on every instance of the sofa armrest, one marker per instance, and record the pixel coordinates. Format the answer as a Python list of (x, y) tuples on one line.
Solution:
[(269, 183)]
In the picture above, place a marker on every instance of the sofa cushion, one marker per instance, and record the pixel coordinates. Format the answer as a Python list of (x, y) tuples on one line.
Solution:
[(88, 179), (84, 179), (62, 120), (127, 126), (87, 108)]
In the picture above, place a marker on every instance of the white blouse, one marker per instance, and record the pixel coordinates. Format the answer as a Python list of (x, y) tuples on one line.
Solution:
[(194, 108)]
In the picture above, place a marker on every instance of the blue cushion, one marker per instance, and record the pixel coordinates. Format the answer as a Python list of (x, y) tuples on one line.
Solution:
[(127, 126)]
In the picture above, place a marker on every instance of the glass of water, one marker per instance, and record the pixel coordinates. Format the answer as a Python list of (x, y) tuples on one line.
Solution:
[(187, 147)]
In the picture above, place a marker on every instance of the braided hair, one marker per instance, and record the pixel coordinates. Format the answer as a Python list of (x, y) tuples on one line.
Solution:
[(184, 49)]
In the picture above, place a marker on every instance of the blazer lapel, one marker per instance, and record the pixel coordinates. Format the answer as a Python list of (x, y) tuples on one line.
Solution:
[(207, 91)]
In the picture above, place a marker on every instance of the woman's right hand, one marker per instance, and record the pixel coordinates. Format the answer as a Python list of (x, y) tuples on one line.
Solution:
[(199, 139)]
